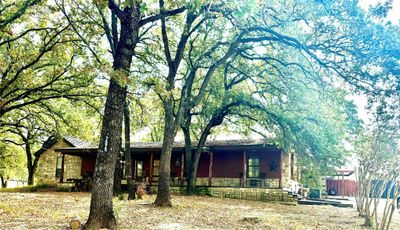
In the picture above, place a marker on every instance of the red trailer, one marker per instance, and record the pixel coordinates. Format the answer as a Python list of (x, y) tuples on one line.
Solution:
[(342, 185)]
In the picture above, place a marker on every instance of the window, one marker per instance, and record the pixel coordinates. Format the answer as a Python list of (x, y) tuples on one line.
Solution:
[(139, 169), (58, 166), (253, 166)]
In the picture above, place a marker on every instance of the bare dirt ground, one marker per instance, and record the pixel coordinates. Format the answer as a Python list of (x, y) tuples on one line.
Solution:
[(55, 210)]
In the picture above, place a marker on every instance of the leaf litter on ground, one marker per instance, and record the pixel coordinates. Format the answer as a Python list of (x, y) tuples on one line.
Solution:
[(55, 210)]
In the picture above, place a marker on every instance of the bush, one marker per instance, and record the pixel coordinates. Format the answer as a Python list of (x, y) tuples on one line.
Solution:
[(32, 188), (141, 191)]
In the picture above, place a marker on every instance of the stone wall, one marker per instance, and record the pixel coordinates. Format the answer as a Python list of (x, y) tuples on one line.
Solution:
[(261, 194), (296, 169), (72, 167), (230, 182), (290, 172), (46, 170), (236, 182), (286, 164)]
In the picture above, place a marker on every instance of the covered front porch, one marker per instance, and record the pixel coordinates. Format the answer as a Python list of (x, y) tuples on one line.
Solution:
[(222, 165)]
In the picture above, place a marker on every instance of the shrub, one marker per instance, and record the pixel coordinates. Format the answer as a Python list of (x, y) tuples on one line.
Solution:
[(141, 191)]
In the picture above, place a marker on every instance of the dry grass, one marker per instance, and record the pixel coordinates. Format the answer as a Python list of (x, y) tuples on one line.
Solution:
[(54, 210)]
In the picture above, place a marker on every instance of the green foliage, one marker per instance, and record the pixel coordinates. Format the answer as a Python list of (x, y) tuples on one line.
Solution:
[(377, 150), (35, 188), (43, 71), (101, 3), (41, 61), (12, 162), (12, 11), (121, 196), (144, 8), (311, 175)]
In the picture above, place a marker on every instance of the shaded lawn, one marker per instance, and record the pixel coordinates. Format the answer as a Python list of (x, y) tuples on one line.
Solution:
[(54, 210)]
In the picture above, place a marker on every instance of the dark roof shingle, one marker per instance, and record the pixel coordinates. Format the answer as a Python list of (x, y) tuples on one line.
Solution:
[(213, 143), (79, 143)]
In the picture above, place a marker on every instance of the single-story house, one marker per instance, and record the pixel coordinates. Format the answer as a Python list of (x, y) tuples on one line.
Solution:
[(227, 163), (52, 162)]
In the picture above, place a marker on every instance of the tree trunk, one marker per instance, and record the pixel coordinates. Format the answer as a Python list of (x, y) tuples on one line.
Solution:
[(171, 122), (194, 167), (118, 175), (128, 156), (30, 177), (193, 161), (101, 208), (163, 195), (29, 161), (32, 168), (190, 181), (3, 182), (190, 187), (387, 223), (193, 158)]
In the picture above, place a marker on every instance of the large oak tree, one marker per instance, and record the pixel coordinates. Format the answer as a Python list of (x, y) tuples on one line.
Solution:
[(122, 32)]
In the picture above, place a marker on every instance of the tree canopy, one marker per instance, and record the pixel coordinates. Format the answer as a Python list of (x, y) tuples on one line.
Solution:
[(194, 70)]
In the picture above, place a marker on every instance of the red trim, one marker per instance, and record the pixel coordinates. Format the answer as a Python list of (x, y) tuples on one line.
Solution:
[(182, 165), (210, 165), (244, 168), (151, 168), (133, 169)]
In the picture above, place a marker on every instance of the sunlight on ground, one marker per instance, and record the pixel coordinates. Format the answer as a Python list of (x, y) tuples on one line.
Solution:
[(51, 210)]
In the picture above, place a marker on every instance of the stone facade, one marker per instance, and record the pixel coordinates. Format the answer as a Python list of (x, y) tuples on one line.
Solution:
[(286, 163), (72, 167), (290, 174), (236, 182), (261, 194), (46, 170), (230, 182)]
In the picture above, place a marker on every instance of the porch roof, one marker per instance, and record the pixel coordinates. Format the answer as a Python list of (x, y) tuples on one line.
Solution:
[(241, 144)]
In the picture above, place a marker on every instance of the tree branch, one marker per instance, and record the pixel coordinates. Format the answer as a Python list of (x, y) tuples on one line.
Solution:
[(161, 15), (19, 13), (116, 10)]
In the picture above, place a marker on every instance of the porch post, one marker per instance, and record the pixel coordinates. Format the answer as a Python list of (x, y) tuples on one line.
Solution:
[(343, 185), (151, 169), (133, 166), (62, 169), (182, 165), (244, 168), (210, 166)]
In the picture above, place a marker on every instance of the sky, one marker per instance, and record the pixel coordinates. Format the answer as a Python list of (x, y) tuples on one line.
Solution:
[(394, 14)]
